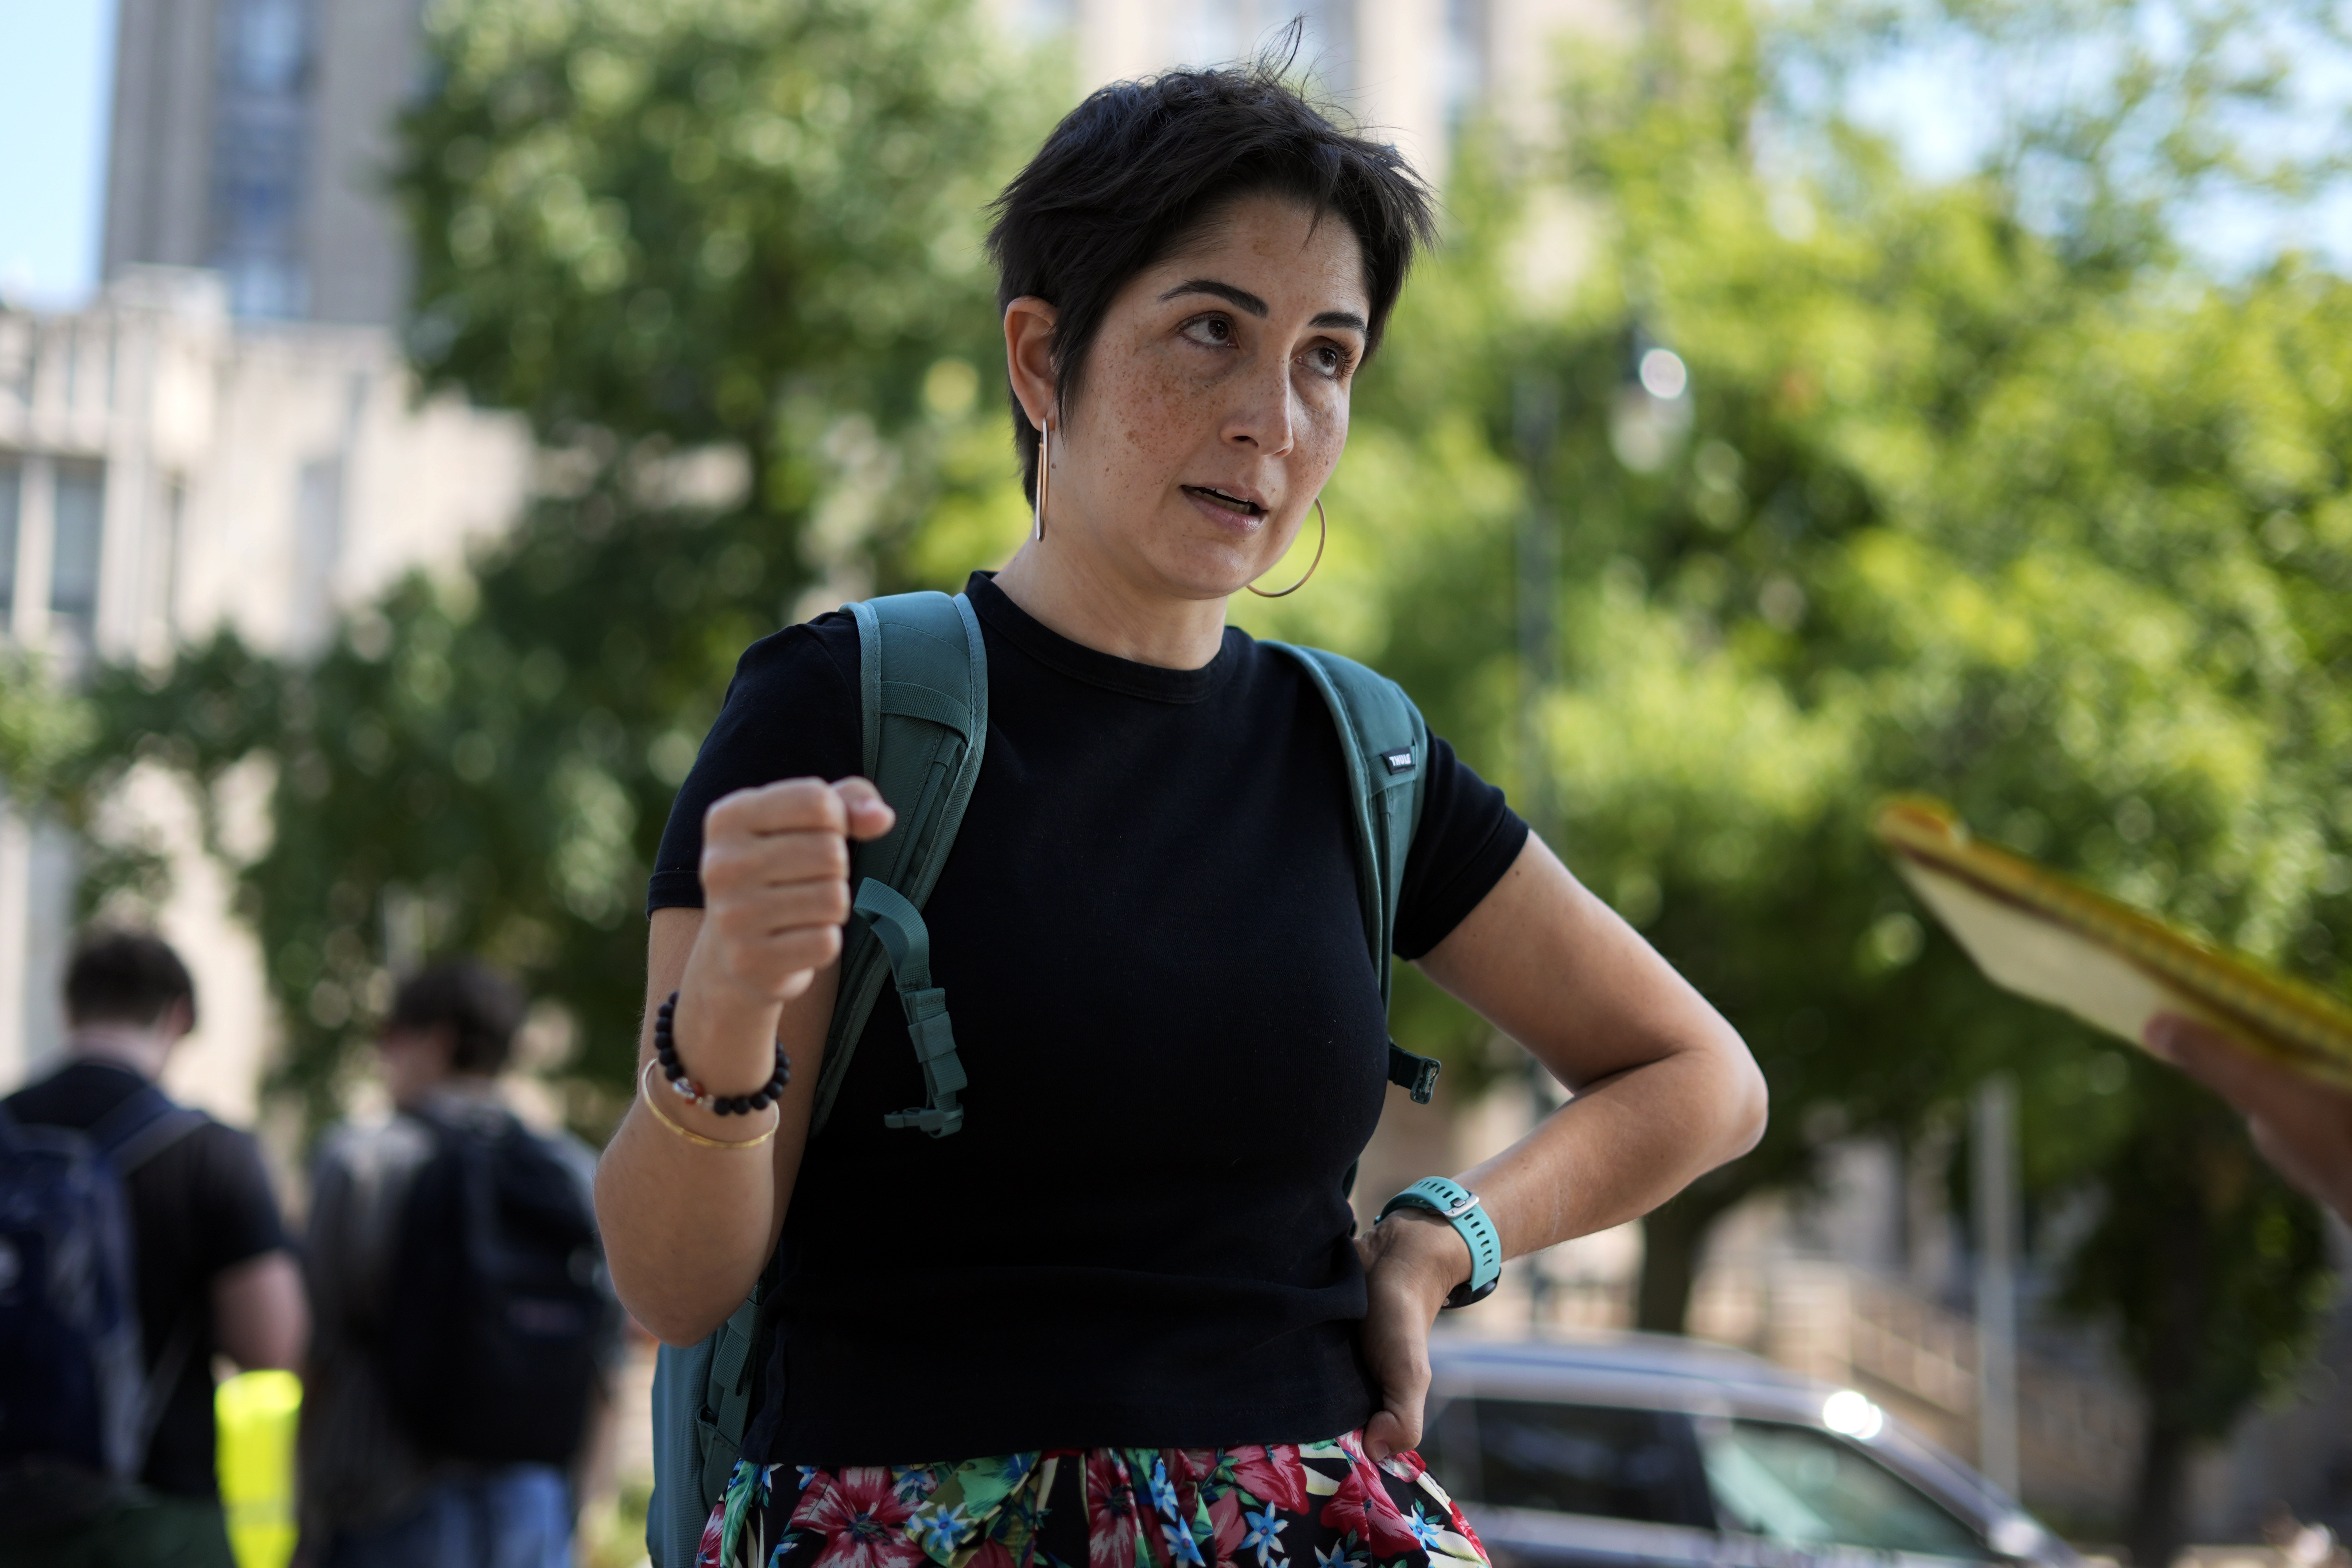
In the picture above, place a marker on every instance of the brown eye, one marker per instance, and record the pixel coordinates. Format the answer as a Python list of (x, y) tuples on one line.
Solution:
[(1212, 331)]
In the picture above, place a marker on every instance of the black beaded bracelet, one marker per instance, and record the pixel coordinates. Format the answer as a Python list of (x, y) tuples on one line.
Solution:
[(666, 1052)]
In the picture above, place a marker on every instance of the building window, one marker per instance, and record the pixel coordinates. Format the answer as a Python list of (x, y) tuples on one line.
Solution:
[(73, 572), (260, 127), (263, 44)]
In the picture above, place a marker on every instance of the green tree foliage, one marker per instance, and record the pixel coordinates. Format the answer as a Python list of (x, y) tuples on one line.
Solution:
[(44, 729), (714, 236), (641, 216), (1972, 491), (476, 769)]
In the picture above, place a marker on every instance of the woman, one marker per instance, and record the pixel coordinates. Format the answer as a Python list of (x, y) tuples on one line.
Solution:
[(1118, 1314)]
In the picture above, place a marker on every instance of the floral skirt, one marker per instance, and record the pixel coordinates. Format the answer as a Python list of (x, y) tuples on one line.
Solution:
[(1312, 1505)]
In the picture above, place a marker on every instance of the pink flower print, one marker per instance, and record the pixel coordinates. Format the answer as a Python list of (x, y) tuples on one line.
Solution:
[(1272, 1476), (1228, 1528), (862, 1518), (1114, 1532), (1363, 1505), (705, 1555), (1405, 1467)]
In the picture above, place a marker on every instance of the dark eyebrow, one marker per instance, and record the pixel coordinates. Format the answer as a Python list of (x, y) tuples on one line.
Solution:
[(1225, 291), (1246, 301)]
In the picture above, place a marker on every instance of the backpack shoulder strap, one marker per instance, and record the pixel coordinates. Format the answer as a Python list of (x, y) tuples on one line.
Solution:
[(145, 1125), (140, 1128), (923, 679), (1386, 745), (923, 703)]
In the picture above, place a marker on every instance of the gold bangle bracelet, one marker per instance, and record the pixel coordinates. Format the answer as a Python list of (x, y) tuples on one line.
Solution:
[(646, 1093)]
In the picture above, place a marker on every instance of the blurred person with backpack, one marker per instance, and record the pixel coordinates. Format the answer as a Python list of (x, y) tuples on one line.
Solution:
[(1020, 959), (139, 1240), (458, 1377)]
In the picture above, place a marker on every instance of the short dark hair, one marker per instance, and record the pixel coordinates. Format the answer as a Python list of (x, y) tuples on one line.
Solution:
[(1132, 172), (125, 977), (480, 1007)]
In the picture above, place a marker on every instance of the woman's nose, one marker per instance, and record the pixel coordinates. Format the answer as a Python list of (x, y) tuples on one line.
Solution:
[(1263, 415)]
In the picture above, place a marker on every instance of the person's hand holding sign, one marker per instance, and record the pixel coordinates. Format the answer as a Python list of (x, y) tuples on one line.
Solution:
[(2303, 1127)]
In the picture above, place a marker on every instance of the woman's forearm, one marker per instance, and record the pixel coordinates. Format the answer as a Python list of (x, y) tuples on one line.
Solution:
[(1622, 1147), (688, 1227), (1664, 1089)]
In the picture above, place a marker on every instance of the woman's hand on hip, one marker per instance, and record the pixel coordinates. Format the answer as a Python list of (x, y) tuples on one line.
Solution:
[(775, 889), (1413, 1260)]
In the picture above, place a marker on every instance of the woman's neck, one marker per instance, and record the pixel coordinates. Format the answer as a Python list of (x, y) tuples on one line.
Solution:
[(1071, 594)]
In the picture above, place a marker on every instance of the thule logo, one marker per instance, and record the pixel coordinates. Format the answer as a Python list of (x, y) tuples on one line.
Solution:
[(1398, 762)]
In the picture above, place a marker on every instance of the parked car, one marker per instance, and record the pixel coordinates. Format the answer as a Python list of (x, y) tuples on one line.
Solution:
[(1647, 1449)]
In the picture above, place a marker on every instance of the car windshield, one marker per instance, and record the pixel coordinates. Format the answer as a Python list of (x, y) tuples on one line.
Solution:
[(1799, 1485)]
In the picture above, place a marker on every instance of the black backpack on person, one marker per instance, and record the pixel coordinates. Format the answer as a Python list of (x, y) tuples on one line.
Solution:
[(75, 1388), (498, 1311)]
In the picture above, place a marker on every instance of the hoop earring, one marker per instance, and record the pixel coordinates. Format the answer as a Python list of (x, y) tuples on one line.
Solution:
[(1045, 476), (1322, 537)]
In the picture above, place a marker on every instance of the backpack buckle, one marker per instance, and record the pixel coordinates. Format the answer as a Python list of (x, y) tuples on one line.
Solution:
[(937, 1120), (1416, 1075)]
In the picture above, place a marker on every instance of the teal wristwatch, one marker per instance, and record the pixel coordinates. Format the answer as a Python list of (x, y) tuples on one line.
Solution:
[(1459, 1207)]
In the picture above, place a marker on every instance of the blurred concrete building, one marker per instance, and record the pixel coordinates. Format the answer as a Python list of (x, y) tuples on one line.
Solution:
[(166, 470), (227, 437)]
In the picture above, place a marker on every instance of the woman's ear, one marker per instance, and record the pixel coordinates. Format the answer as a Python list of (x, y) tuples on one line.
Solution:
[(1029, 355)]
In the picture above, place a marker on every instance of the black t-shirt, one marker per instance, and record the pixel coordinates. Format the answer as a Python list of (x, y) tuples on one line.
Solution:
[(1153, 953), (199, 1205)]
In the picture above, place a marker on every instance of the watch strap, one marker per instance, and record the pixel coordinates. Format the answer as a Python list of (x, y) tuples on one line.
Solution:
[(1459, 1206)]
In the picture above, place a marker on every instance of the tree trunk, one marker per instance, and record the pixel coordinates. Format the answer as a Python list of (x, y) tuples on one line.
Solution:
[(2158, 1518), (1673, 1237)]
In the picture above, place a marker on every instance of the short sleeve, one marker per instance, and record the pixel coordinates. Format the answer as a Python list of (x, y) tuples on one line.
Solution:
[(1468, 838), (791, 712), (236, 1211)]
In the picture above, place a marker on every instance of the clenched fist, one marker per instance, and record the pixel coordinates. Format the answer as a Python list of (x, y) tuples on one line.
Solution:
[(775, 881)]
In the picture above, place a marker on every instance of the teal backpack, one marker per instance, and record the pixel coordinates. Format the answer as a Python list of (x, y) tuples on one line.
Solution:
[(923, 686)]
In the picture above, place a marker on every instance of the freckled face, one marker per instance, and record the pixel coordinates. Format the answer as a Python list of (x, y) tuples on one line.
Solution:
[(1215, 402)]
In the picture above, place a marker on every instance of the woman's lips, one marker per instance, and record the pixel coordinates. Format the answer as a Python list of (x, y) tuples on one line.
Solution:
[(1230, 509)]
